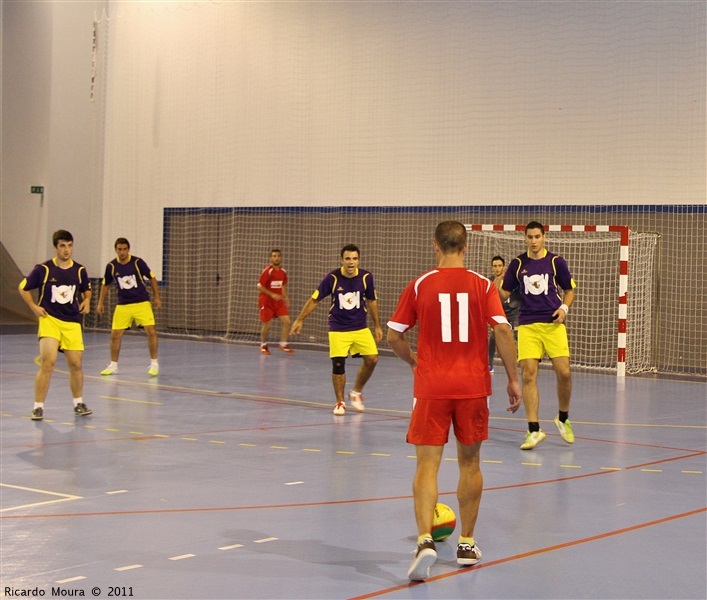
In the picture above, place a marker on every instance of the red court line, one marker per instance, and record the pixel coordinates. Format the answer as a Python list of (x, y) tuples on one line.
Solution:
[(493, 563), (299, 504)]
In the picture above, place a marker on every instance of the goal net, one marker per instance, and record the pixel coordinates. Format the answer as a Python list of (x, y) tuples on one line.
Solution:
[(611, 324)]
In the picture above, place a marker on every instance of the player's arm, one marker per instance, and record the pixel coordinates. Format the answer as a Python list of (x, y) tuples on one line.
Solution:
[(307, 309), (400, 345), (373, 311), (285, 296), (85, 304), (263, 290), (156, 299), (29, 300), (506, 346), (102, 298), (560, 315), (509, 281)]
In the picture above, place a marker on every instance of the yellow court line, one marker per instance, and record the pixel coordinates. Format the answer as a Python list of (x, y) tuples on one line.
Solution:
[(63, 497), (129, 400)]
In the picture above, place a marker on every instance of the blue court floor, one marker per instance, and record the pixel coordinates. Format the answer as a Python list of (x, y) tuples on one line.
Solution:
[(228, 477)]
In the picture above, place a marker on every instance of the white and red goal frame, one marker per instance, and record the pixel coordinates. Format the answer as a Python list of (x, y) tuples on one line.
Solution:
[(623, 232)]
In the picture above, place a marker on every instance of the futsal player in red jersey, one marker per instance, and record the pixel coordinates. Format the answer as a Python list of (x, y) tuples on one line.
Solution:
[(64, 296), (452, 307), (273, 301)]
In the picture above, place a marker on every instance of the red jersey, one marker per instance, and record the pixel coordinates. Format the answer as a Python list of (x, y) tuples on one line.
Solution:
[(454, 307), (274, 280)]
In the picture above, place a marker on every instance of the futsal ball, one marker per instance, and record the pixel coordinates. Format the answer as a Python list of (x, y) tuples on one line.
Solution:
[(443, 523)]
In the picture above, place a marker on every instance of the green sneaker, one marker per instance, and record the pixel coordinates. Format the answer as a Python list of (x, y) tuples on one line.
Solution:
[(532, 439), (565, 430)]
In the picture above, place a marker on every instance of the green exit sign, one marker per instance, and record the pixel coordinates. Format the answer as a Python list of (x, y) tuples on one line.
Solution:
[(37, 189)]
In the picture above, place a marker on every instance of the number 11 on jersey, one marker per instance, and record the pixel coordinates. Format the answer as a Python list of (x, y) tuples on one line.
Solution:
[(445, 301)]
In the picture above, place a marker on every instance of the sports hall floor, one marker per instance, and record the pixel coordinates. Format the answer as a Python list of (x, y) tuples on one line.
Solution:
[(229, 477)]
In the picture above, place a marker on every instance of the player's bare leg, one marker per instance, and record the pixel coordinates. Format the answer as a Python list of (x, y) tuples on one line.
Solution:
[(561, 364), (470, 486), (74, 360), (339, 382), (365, 371), (531, 396), (424, 486), (264, 330), (48, 349), (285, 324), (152, 341), (116, 338)]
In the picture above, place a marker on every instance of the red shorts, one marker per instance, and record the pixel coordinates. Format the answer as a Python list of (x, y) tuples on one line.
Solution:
[(270, 310), (431, 418)]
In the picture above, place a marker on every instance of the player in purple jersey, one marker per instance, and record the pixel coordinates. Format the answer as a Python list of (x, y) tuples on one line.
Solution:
[(353, 298), (546, 292), (64, 295), (129, 274)]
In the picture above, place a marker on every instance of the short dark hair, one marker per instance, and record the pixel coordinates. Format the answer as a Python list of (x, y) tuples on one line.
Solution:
[(61, 234), (450, 236), (350, 248), (495, 258), (535, 225), (122, 241)]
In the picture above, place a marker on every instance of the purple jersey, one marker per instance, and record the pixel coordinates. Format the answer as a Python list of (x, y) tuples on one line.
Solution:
[(348, 299), (59, 289), (129, 279), (539, 282)]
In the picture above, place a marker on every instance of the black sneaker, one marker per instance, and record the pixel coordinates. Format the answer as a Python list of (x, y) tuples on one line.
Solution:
[(81, 410), (468, 554), (37, 414), (425, 557)]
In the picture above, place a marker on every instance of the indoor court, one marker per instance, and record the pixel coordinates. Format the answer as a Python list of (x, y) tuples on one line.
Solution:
[(228, 477)]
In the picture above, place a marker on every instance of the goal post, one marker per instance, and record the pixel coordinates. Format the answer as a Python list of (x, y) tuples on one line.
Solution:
[(611, 326)]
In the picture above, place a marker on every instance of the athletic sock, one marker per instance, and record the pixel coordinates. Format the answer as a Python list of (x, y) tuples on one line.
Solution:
[(466, 540), (563, 416), (533, 426), (77, 401), (39, 405), (423, 537), (154, 363)]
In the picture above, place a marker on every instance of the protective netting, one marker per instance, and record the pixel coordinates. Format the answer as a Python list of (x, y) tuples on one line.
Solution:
[(213, 257)]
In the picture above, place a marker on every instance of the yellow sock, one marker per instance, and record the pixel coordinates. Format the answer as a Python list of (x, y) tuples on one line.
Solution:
[(423, 537), (466, 540)]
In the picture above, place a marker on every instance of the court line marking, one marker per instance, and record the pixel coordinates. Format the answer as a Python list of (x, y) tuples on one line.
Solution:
[(130, 400), (63, 498), (510, 486), (500, 561), (71, 579), (128, 568)]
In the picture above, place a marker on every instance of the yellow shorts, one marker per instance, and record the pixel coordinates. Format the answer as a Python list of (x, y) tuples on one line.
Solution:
[(539, 338), (357, 342), (70, 335), (140, 312)]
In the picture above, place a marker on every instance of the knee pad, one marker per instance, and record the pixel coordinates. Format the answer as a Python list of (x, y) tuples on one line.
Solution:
[(338, 365)]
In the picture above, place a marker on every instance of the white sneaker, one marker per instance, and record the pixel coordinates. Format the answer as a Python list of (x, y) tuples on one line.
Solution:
[(110, 370), (357, 401), (340, 409)]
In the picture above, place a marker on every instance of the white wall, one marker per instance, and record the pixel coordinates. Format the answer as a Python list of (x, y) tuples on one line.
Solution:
[(340, 103), (51, 131)]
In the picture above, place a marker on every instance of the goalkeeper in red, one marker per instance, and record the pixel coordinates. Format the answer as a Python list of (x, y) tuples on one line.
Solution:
[(453, 307), (546, 294)]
